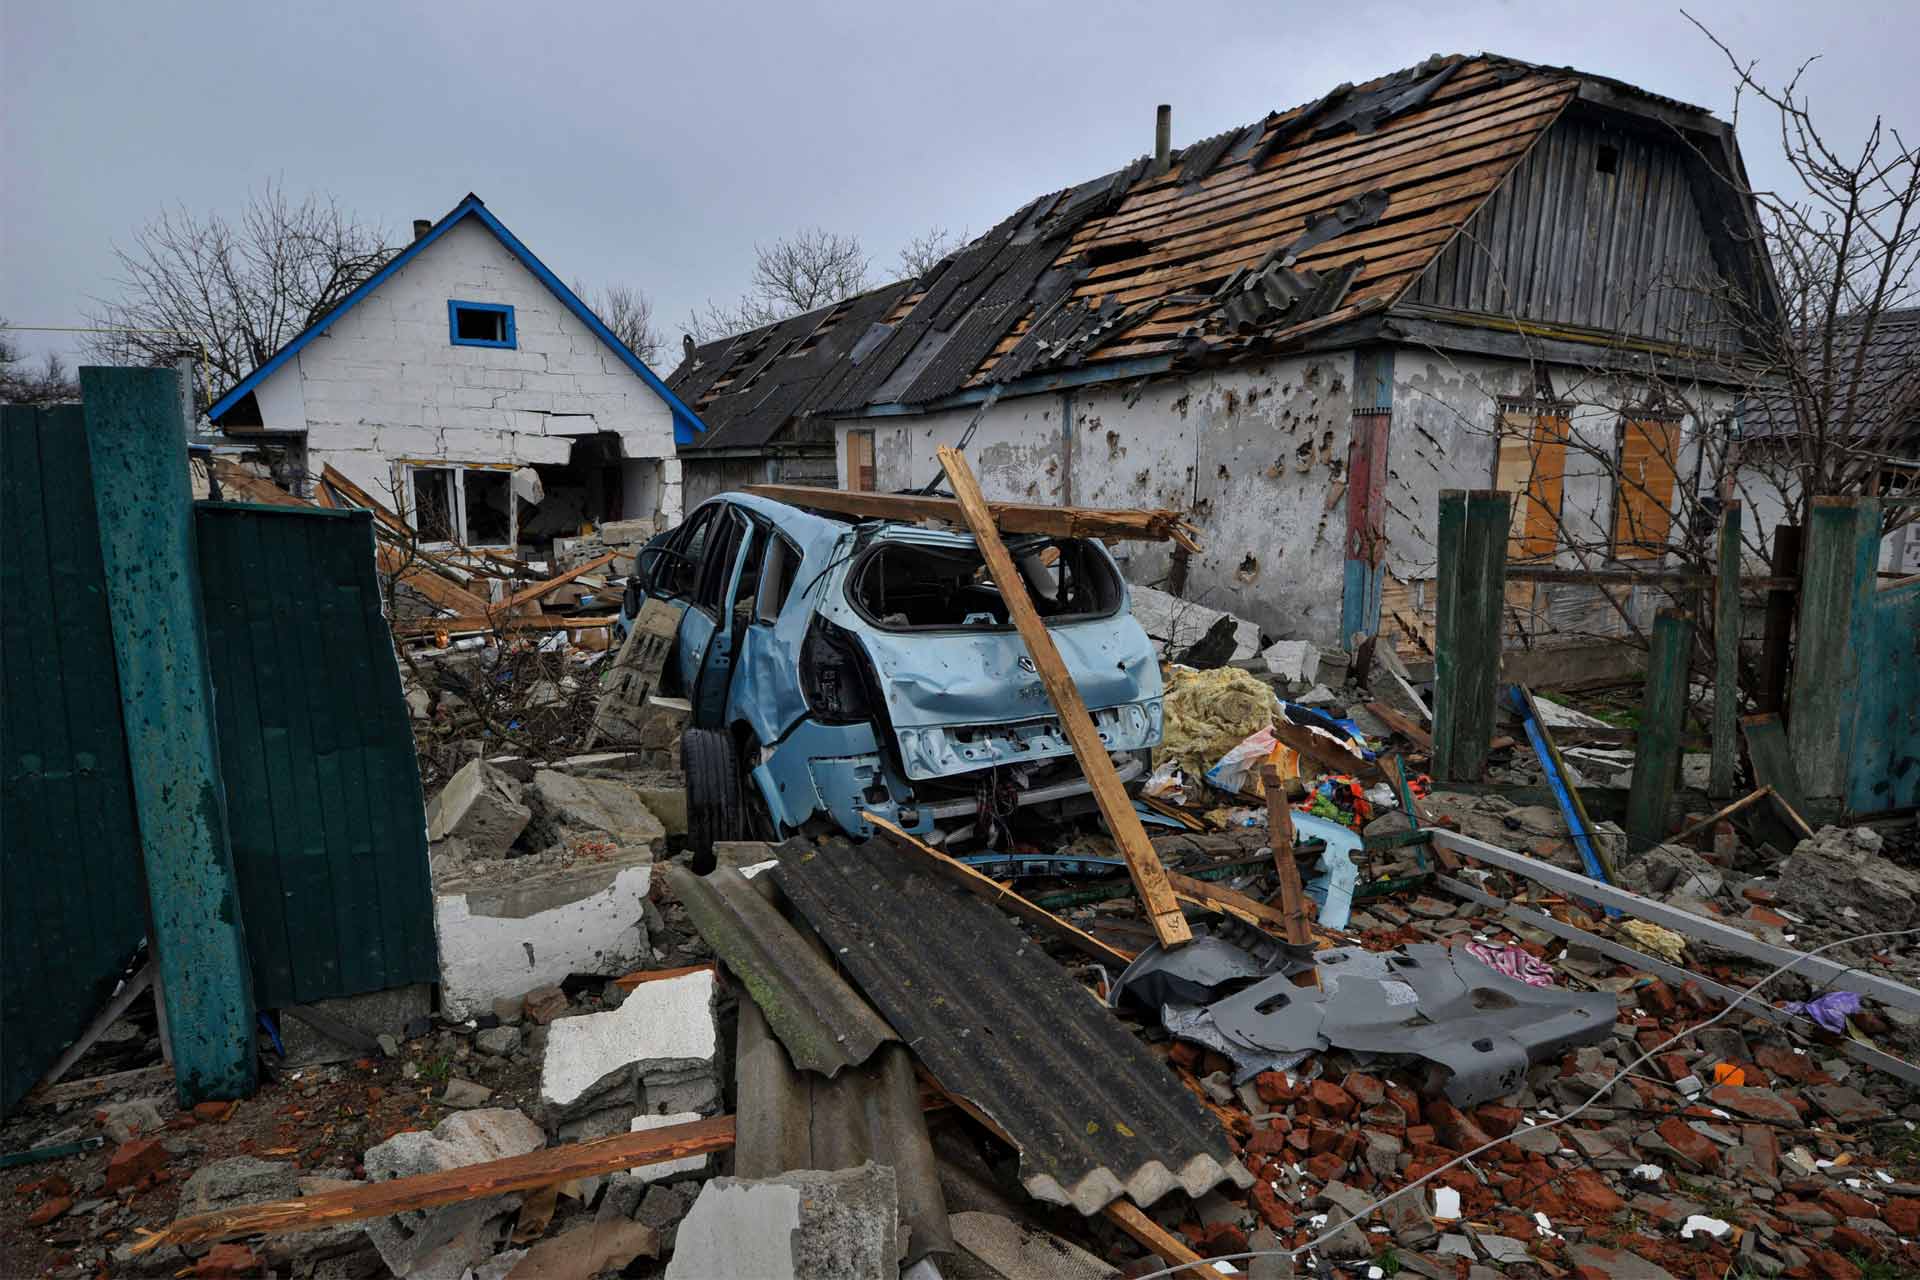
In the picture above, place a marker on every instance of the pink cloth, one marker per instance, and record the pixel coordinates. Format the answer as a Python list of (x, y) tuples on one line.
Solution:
[(1515, 962)]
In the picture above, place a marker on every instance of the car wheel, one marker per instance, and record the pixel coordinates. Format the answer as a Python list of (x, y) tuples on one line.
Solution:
[(715, 811)]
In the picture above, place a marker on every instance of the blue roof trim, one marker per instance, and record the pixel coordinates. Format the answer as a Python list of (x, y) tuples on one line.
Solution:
[(687, 426)]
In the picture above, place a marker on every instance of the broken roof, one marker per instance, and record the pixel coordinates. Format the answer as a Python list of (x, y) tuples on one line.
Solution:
[(1248, 241)]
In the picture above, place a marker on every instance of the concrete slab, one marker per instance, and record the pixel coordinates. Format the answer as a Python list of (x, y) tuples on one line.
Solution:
[(1178, 624), (596, 804), (480, 806), (805, 1225), (661, 1040), (445, 1241), (1297, 660), (501, 936)]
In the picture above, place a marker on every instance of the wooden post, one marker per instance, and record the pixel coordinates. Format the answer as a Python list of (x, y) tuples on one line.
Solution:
[(1149, 877), (1726, 658), (1837, 583), (136, 437), (1777, 643), (1293, 897), (1657, 749), (1473, 555)]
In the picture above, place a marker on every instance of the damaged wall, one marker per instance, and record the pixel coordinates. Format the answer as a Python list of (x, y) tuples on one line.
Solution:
[(1446, 410), (1258, 454), (385, 381)]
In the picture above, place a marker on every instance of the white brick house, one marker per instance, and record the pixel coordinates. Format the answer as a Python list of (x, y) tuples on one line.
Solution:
[(466, 385)]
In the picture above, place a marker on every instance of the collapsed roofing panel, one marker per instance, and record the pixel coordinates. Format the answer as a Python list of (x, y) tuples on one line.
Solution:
[(1000, 1024), (823, 1022)]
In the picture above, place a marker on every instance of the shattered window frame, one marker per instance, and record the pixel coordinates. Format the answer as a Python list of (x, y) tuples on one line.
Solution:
[(456, 477), (1110, 586)]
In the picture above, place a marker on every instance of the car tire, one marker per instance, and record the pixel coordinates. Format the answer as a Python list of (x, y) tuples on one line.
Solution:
[(715, 807)]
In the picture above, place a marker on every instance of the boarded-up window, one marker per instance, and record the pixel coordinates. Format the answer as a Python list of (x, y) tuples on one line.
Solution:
[(1643, 489), (1532, 465), (860, 461)]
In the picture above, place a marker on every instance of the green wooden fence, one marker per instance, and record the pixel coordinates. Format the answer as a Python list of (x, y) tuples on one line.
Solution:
[(72, 900), (324, 814)]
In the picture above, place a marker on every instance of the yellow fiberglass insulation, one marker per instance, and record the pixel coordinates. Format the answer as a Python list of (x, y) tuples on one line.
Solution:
[(1209, 713)]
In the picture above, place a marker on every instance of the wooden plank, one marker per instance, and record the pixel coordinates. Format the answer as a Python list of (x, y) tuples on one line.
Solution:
[(1726, 811), (1328, 755), (1294, 925), (1402, 725), (1472, 546), (134, 428), (1573, 809), (1227, 902), (1127, 1216), (539, 589), (628, 982), (134, 1081), (1776, 645), (990, 890), (411, 568), (1726, 658), (545, 1168), (1657, 750), (1007, 517), (1149, 877), (1840, 559), (1645, 578), (109, 1014), (359, 497), (1643, 497), (1772, 761)]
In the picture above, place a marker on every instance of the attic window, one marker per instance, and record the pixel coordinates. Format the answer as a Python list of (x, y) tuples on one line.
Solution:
[(1099, 255), (1607, 159), (480, 324)]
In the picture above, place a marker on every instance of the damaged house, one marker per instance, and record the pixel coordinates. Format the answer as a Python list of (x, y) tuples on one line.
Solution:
[(1473, 273), (465, 385)]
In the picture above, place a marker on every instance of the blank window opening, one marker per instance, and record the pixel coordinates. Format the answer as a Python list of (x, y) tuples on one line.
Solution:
[(1607, 160), (433, 503), (489, 496)]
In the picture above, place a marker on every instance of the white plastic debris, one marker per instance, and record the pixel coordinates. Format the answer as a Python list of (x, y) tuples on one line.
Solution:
[(1446, 1203), (1375, 1273), (1544, 1226), (1883, 1175), (1700, 1222), (1648, 1173)]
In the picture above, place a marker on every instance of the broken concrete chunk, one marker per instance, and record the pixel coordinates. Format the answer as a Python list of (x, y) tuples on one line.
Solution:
[(662, 1039), (587, 1250), (1020, 1251), (597, 804), (445, 1241), (1839, 879), (804, 1225), (371, 1013), (480, 805), (502, 933), (1297, 661), (1177, 624)]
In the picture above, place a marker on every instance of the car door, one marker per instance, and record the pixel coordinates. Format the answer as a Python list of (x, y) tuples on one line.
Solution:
[(703, 639)]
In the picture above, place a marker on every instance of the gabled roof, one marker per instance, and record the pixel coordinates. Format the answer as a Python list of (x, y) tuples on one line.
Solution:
[(1250, 241), (686, 424), (1876, 389)]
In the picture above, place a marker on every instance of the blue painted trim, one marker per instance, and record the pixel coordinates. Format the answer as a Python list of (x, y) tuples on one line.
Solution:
[(1582, 838), (1362, 586), (687, 426), (455, 306)]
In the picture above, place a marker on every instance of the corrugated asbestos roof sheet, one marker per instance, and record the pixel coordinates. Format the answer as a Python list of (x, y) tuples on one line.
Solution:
[(1000, 1024), (1250, 239), (1885, 394), (791, 1119), (822, 1021)]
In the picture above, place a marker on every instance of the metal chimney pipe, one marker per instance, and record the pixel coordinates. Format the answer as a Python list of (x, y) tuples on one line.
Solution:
[(1163, 137), (421, 226)]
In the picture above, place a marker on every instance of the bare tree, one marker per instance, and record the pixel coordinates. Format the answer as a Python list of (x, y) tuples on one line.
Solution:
[(51, 383), (233, 293), (923, 252), (812, 268), (629, 313)]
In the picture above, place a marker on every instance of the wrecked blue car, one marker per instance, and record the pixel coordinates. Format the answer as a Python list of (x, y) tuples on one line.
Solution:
[(835, 666)]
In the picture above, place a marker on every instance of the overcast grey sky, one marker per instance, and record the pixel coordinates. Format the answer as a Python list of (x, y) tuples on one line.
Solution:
[(653, 144)]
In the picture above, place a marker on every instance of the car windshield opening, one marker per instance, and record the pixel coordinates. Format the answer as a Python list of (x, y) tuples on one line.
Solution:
[(906, 585)]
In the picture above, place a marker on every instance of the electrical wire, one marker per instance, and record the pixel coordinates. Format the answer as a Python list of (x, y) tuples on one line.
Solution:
[(1554, 1123)]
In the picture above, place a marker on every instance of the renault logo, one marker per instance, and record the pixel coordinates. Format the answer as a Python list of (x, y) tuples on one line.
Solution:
[(1026, 664)]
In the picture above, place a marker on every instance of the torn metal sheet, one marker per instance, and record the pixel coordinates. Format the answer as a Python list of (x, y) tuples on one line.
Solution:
[(1334, 887), (1424, 1001), (789, 1119), (821, 1020), (1199, 971), (1000, 1024)]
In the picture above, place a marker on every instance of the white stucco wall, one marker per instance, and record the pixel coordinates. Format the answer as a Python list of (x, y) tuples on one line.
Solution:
[(1762, 486), (1257, 454), (385, 382)]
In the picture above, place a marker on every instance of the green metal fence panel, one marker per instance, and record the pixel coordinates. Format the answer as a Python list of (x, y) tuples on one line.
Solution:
[(325, 812), (72, 898)]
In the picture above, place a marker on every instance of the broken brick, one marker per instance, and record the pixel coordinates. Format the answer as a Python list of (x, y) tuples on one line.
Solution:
[(1589, 1191), (133, 1161), (1367, 1090), (1274, 1088), (1903, 1216), (1326, 1167), (1692, 1146), (1274, 1211), (1498, 1121), (1755, 1104), (1847, 1204), (1331, 1099), (48, 1210)]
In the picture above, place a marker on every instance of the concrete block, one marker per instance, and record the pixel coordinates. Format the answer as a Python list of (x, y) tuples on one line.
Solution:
[(804, 1225), (597, 804), (377, 1013), (689, 1166), (1293, 659), (503, 934), (481, 806), (663, 1033), (1177, 624), (445, 1241)]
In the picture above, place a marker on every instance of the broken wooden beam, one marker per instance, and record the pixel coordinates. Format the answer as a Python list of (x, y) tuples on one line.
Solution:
[(1402, 725), (986, 888), (536, 622), (1325, 752), (1149, 877), (554, 583), (1294, 925), (536, 1169), (1158, 525), (1752, 797)]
